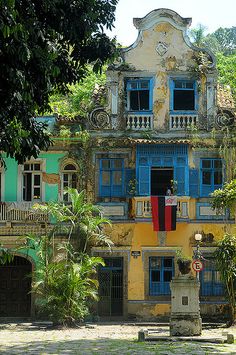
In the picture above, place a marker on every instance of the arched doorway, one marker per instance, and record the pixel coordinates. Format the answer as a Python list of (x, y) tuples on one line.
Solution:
[(15, 287)]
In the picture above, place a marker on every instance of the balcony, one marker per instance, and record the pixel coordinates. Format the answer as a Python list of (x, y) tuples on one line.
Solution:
[(142, 207), (21, 212), (183, 121), (139, 122)]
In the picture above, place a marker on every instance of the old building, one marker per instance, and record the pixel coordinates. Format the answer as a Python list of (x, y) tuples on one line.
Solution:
[(154, 137)]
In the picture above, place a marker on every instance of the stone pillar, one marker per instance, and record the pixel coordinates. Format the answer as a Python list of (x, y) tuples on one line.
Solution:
[(185, 317)]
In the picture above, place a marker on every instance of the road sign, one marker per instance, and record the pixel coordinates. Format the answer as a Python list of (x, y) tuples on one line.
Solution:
[(197, 265)]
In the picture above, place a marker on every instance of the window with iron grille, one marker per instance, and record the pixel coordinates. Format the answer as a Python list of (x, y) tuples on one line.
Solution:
[(139, 95), (211, 175), (161, 272), (211, 284)]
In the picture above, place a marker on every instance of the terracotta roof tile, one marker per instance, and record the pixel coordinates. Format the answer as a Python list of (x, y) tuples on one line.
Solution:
[(224, 97), (159, 141)]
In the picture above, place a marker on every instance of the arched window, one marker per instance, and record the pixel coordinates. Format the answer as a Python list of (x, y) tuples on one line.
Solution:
[(69, 178)]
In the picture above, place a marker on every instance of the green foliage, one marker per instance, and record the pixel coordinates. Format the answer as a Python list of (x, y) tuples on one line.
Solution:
[(79, 99), (225, 197), (225, 256), (64, 282), (222, 43), (46, 46), (226, 66), (197, 35), (6, 255), (79, 219), (224, 40), (64, 285)]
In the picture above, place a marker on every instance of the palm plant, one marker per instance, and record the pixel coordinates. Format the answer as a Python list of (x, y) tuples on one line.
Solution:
[(64, 280)]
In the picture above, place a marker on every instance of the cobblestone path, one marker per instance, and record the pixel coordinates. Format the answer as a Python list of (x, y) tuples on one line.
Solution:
[(24, 339)]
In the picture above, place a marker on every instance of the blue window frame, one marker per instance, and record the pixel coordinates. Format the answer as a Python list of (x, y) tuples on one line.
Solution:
[(183, 95), (211, 284), (111, 180), (139, 95), (149, 157), (161, 272), (211, 175)]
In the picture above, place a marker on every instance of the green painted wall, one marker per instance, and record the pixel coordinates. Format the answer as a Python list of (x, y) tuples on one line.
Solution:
[(11, 176), (11, 179), (52, 167)]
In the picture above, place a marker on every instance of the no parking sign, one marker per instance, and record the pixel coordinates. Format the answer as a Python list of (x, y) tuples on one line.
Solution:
[(197, 265)]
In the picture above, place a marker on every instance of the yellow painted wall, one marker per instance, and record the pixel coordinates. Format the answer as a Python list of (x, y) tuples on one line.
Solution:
[(140, 236)]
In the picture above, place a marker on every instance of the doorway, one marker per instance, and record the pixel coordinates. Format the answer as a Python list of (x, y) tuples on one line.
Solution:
[(110, 290), (161, 181), (15, 287)]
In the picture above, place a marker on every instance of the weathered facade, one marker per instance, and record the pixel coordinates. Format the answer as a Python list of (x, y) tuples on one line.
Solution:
[(154, 135)]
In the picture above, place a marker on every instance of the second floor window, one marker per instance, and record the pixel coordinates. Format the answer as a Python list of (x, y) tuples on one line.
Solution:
[(139, 95), (69, 179), (32, 181), (211, 175), (111, 183), (183, 95)]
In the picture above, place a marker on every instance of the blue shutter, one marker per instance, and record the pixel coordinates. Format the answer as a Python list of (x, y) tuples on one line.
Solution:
[(180, 178), (129, 188), (105, 190), (193, 182), (144, 181)]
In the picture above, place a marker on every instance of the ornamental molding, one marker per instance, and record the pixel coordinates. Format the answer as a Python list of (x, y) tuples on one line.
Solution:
[(223, 119), (99, 118), (162, 48)]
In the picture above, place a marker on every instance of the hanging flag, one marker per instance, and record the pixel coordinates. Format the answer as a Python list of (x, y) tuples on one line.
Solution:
[(164, 210)]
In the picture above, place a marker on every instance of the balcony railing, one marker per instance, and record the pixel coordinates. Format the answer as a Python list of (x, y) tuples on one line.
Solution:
[(143, 209), (139, 122), (21, 212), (183, 121)]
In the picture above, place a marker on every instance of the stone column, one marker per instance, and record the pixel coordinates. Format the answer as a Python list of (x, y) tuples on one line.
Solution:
[(185, 317)]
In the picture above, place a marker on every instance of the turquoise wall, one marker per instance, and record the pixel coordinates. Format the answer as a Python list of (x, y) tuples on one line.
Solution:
[(52, 167), (11, 179), (11, 176)]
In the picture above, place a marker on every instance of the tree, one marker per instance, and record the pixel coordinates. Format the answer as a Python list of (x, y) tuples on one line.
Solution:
[(45, 45), (225, 256), (226, 66), (197, 35), (226, 37), (64, 282), (80, 99), (225, 197)]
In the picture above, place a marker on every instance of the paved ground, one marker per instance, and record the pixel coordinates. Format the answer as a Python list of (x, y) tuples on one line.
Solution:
[(101, 339)]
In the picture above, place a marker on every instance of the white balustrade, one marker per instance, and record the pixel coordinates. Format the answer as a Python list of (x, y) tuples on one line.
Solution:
[(143, 208), (139, 122), (182, 122), (14, 213)]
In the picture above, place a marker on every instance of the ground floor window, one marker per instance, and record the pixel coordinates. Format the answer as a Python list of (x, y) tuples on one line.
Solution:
[(161, 272), (211, 284)]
